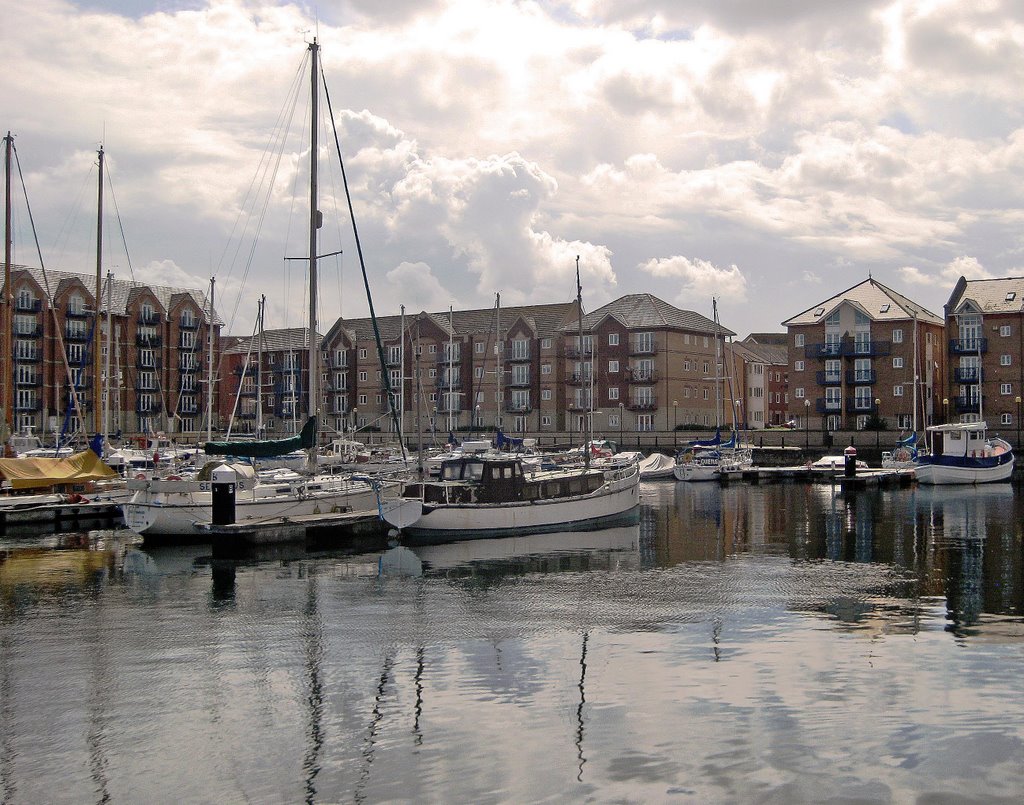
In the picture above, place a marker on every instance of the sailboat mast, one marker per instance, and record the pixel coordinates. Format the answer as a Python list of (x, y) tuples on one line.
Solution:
[(108, 338), (209, 366), (259, 370), (8, 317), (913, 406), (401, 376), (498, 349), (718, 364), (314, 224), (96, 414), (451, 368), (579, 310)]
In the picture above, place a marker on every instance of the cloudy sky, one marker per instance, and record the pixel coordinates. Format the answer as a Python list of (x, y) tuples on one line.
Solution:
[(767, 153)]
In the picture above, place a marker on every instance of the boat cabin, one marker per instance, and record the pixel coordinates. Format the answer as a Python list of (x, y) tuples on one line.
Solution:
[(962, 440), (476, 479)]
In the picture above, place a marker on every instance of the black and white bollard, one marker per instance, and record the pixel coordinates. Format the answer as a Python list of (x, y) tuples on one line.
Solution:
[(850, 456), (224, 483)]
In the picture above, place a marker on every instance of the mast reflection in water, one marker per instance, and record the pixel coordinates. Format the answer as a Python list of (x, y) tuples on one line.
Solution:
[(740, 643)]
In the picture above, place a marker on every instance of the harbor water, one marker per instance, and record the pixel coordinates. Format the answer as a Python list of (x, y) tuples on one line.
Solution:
[(746, 643)]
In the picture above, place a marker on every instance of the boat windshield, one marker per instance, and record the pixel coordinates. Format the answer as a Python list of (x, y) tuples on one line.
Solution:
[(462, 470)]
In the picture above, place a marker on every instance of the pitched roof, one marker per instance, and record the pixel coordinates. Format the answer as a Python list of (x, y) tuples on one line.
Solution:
[(544, 319), (644, 310), (1004, 295), (878, 302), (291, 339), (121, 290)]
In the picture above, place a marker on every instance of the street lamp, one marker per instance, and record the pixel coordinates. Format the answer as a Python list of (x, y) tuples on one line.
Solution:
[(476, 418), (1017, 400), (945, 410), (675, 420), (807, 419), (878, 422), (622, 414)]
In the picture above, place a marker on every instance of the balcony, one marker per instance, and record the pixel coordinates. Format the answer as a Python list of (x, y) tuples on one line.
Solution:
[(860, 405), (579, 406), (152, 341), (866, 349), (76, 313), (76, 336), (195, 346), (829, 378), (28, 357), (579, 379), (148, 388), (519, 382), (643, 347), (28, 305), (443, 384), (246, 415), (814, 351), (33, 380), (148, 363), (249, 370), (144, 409), (148, 319), (575, 353), (519, 356), (828, 406), (32, 331), (860, 377), (647, 377), (970, 374), (188, 324), (28, 405), (247, 393), (643, 405), (445, 358), (189, 410), (449, 408), (967, 405), (518, 408), (968, 346)]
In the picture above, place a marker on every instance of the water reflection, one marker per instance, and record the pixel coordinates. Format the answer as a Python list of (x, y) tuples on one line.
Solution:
[(786, 626)]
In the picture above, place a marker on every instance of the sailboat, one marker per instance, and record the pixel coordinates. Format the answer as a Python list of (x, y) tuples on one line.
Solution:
[(708, 460), (172, 507), (497, 495)]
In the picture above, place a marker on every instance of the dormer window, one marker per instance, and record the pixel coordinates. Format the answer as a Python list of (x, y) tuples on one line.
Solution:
[(76, 305), (187, 319)]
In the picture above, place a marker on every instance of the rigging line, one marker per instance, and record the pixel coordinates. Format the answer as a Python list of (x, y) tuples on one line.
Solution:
[(46, 282), (60, 241), (267, 165), (120, 223), (272, 146), (385, 375)]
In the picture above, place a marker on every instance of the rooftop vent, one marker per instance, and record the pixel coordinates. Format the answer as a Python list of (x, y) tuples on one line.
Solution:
[(884, 308), (1011, 296), (819, 311)]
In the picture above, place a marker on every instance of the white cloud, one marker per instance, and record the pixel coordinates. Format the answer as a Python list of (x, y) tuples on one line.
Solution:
[(699, 278)]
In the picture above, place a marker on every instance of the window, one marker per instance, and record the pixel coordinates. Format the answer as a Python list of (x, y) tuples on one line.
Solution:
[(897, 363), (613, 339), (545, 421), (431, 349), (798, 393), (897, 336), (1004, 360), (362, 353), (897, 391), (613, 366), (362, 399), (798, 340), (545, 343), (478, 372), (545, 394), (707, 367), (645, 422), (1006, 388), (1006, 419), (395, 354), (478, 347), (362, 377), (686, 365), (545, 368), (613, 393), (1005, 330), (706, 395), (798, 366)]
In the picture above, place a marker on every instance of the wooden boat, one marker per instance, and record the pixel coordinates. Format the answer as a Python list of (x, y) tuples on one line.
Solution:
[(963, 453), (488, 496)]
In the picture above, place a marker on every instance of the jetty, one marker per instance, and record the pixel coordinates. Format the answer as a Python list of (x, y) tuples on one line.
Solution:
[(332, 530)]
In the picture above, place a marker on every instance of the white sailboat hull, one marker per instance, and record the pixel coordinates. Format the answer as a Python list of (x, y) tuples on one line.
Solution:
[(162, 508)]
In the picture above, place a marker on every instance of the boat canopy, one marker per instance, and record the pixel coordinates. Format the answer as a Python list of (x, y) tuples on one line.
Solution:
[(36, 473), (265, 448)]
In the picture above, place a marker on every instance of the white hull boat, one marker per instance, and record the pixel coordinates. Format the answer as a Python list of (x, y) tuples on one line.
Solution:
[(480, 497), (657, 467), (173, 507), (963, 454)]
